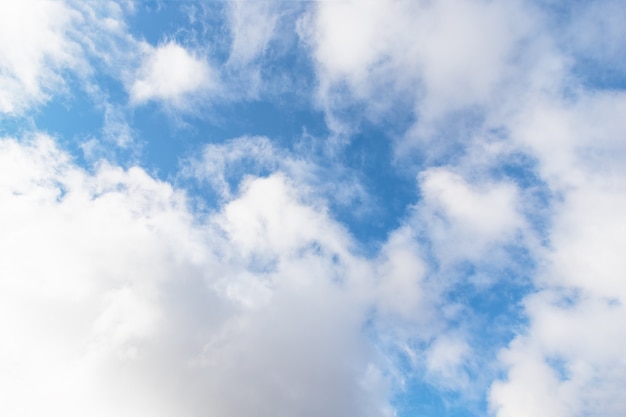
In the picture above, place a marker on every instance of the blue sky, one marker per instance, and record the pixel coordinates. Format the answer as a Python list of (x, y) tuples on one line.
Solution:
[(331, 208)]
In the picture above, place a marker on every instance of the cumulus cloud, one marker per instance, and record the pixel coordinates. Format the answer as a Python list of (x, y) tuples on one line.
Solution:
[(464, 220), (570, 359), (116, 299), (440, 57), (171, 74)]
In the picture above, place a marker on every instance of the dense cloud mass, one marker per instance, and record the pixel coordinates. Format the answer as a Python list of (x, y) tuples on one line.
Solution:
[(117, 298), (338, 208)]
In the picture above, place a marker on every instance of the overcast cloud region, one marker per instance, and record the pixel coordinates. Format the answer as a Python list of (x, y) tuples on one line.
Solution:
[(319, 209)]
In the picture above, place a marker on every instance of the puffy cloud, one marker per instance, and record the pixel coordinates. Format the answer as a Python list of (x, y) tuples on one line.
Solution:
[(401, 271), (437, 57), (171, 74), (116, 299), (570, 361), (463, 220)]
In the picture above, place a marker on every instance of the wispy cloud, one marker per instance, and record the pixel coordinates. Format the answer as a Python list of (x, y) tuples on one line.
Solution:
[(36, 46)]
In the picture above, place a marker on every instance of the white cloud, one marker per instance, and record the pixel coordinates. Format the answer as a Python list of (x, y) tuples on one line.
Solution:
[(220, 163), (400, 271), (116, 128), (45, 46), (171, 74), (35, 47), (439, 57), (570, 360), (445, 359), (116, 300), (252, 26), (570, 363), (463, 220)]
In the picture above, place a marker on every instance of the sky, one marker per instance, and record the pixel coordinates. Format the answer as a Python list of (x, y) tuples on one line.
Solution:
[(333, 208)]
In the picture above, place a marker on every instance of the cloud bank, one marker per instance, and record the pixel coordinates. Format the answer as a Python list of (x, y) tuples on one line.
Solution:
[(135, 306)]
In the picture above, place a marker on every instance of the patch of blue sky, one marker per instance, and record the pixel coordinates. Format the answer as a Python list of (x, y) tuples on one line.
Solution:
[(72, 119), (172, 139), (423, 399), (284, 116), (450, 139), (494, 312), (11, 126), (595, 74), (580, 27), (370, 155), (161, 21), (522, 170)]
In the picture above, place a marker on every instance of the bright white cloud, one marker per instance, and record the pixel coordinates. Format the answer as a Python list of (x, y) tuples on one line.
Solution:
[(570, 361), (442, 56), (35, 47), (464, 220), (43, 44), (117, 300), (171, 74), (401, 271)]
